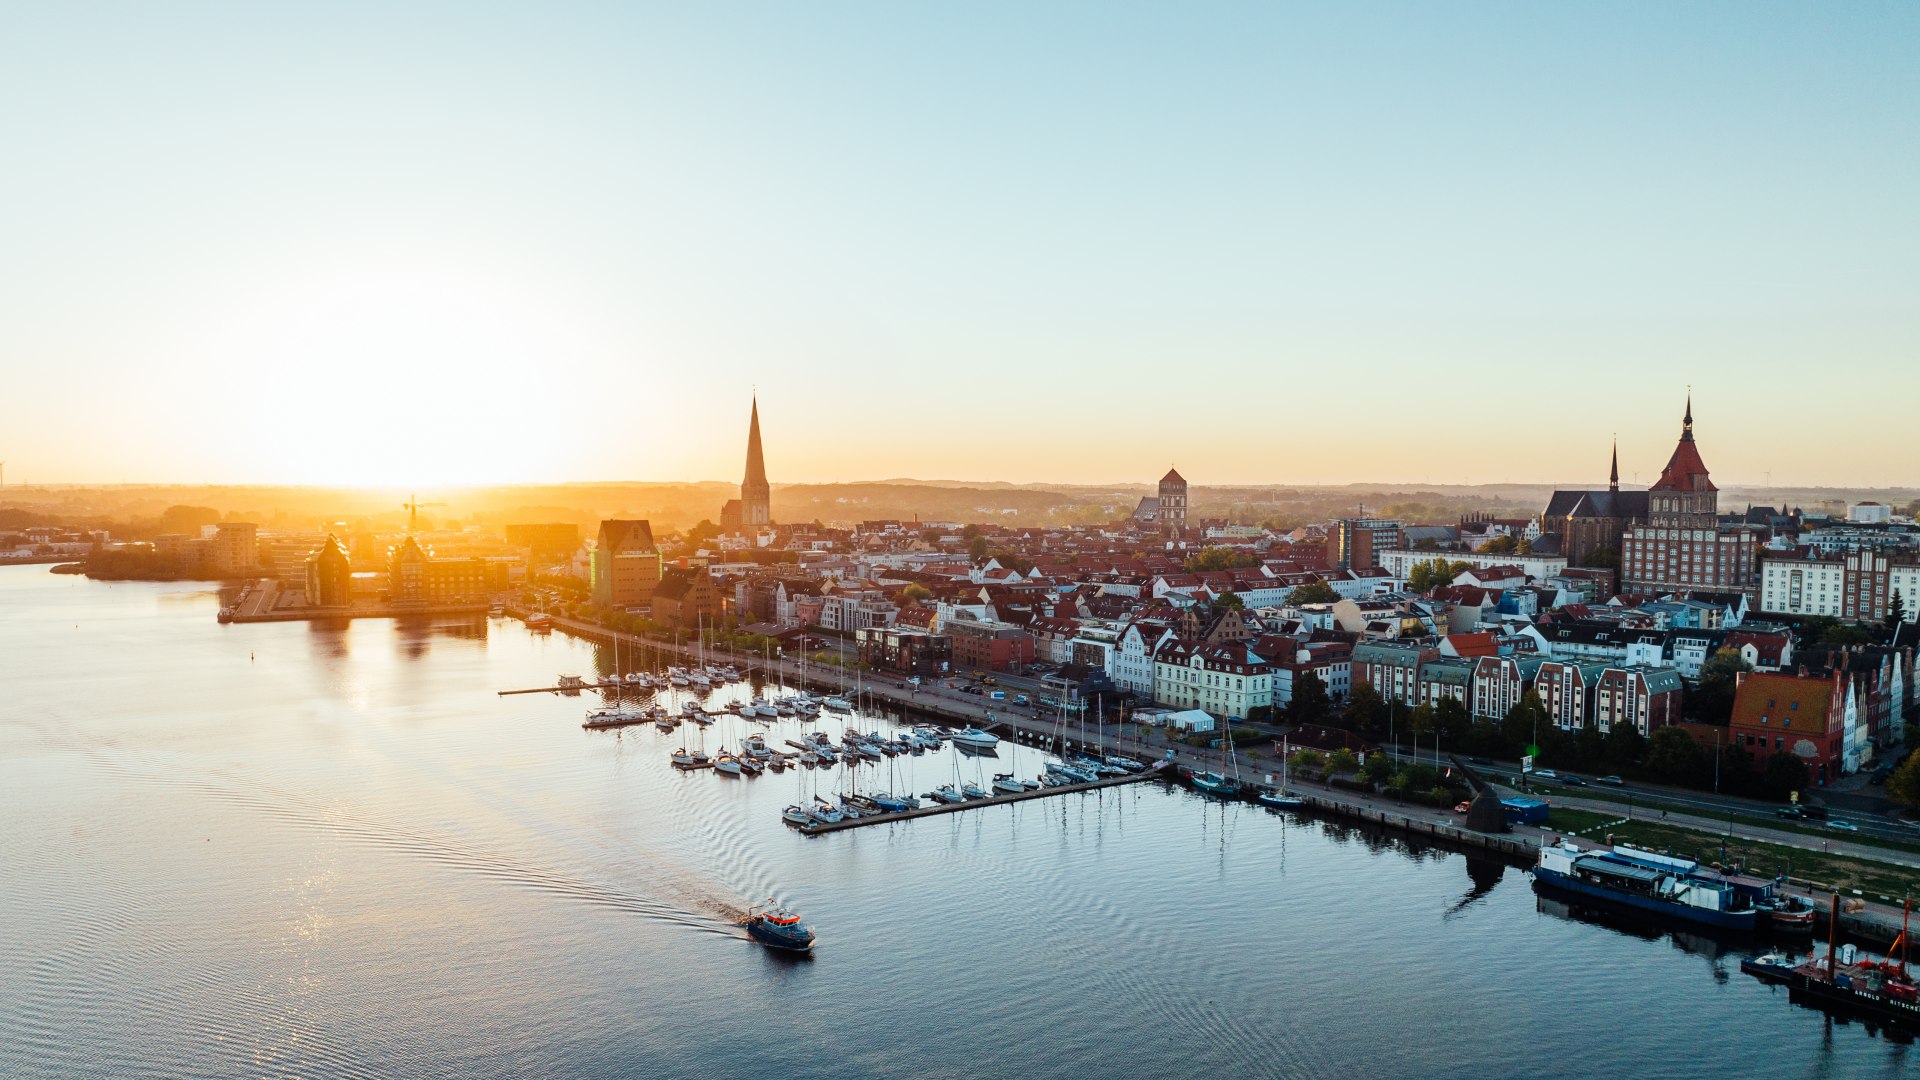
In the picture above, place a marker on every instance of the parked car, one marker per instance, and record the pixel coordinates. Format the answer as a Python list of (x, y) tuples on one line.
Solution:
[(1022, 699), (1843, 826), (1479, 761), (1612, 780), (998, 695), (972, 690), (1817, 813), (1461, 808)]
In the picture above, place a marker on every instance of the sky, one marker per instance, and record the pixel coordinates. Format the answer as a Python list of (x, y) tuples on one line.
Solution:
[(489, 243)]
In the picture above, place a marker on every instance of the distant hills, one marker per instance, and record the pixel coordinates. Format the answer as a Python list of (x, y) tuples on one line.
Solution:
[(141, 509)]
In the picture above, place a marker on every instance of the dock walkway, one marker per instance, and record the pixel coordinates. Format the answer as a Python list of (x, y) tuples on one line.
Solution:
[(972, 804)]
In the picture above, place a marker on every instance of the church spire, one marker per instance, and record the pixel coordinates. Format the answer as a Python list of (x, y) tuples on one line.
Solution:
[(1686, 422), (755, 495), (756, 464), (1613, 476)]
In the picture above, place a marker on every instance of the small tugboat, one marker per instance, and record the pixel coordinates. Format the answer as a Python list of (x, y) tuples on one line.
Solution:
[(778, 928)]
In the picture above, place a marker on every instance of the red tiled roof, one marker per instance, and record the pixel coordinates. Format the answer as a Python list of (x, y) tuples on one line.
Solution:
[(1782, 700)]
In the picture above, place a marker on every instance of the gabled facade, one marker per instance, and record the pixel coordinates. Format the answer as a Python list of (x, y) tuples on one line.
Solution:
[(1225, 680), (1648, 698)]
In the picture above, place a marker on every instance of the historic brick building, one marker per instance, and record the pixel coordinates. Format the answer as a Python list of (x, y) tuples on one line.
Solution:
[(1592, 523), (1682, 547)]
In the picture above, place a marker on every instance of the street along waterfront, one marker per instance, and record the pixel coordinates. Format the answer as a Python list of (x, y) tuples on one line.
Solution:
[(335, 849)]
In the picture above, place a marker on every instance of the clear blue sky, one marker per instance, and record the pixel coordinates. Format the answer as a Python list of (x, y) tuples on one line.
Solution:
[(998, 241)]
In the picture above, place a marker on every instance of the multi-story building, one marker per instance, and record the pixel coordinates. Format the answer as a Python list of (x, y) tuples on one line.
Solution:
[(988, 645), (1646, 697), (1445, 677), (1682, 545), (329, 575), (1356, 543), (1392, 668), (233, 548), (1131, 663), (851, 612), (687, 598), (905, 651), (1329, 661), (415, 576), (1225, 680), (1810, 718), (624, 568), (1498, 682), (1565, 689), (1853, 586)]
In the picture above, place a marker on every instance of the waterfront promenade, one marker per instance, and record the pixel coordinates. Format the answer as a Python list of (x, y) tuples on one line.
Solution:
[(1878, 923)]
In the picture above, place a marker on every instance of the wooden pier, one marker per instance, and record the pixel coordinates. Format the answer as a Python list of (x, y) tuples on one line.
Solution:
[(1152, 773)]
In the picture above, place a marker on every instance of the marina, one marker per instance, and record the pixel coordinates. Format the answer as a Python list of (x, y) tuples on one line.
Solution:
[(351, 885)]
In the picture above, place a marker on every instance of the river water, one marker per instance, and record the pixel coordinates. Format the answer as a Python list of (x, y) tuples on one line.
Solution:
[(295, 849)]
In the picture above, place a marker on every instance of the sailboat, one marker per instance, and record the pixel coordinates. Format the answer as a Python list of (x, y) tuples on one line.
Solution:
[(1278, 797), (1221, 785)]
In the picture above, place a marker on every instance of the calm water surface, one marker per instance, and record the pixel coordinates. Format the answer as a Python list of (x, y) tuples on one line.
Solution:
[(285, 848)]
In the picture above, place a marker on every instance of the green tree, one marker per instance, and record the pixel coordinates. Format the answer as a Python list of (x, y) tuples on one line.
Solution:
[(1366, 712), (1524, 547), (1712, 699), (1436, 573), (1625, 748), (1343, 760), (1220, 558), (1228, 601), (917, 591), (1420, 722), (1451, 720), (977, 547), (1523, 722), (1896, 611), (1783, 775), (1501, 545), (1378, 768), (1602, 558), (1313, 592), (1904, 785), (1310, 704), (1674, 756)]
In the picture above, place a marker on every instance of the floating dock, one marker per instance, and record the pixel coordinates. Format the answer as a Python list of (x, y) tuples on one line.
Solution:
[(1153, 772)]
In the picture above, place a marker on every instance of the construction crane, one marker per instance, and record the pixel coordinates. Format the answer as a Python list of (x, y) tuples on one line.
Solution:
[(412, 507)]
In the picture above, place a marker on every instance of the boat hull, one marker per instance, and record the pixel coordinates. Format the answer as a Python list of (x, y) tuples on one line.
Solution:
[(1551, 881), (774, 937), (1855, 1000)]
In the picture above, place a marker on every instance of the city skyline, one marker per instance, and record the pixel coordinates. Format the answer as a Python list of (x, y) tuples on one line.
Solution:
[(539, 247)]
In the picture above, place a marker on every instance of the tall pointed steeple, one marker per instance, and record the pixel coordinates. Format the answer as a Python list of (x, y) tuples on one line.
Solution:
[(1613, 476), (1686, 422), (755, 494)]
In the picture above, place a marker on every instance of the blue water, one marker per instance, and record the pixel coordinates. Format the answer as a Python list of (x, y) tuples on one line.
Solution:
[(295, 849)]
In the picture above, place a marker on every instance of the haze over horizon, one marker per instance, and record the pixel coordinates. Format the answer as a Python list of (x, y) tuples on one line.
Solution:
[(1408, 244)]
